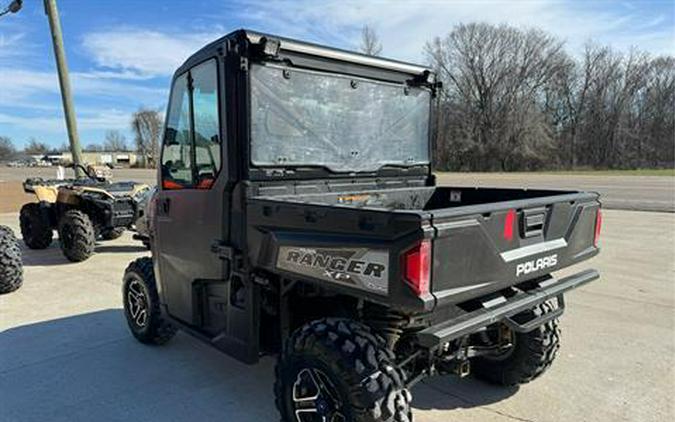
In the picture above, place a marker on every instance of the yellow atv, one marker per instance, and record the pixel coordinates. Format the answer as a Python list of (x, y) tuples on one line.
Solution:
[(81, 210)]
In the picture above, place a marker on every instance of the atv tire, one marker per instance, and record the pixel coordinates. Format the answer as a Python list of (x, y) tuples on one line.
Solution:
[(77, 236), (141, 304), (337, 369), (530, 356), (11, 266), (112, 234), (36, 229)]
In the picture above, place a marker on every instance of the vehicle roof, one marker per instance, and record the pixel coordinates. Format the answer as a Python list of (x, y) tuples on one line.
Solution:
[(308, 49)]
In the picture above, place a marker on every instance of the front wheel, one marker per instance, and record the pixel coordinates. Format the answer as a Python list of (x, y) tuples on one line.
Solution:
[(36, 229), (141, 304), (77, 236), (337, 370), (529, 354), (11, 266)]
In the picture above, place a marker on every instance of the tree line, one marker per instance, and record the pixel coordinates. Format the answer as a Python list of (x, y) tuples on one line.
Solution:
[(146, 125), (514, 99)]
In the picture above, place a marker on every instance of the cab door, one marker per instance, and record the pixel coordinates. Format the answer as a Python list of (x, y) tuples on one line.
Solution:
[(190, 215)]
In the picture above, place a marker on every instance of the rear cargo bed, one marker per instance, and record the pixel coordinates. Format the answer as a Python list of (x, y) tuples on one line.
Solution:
[(483, 240), (421, 198)]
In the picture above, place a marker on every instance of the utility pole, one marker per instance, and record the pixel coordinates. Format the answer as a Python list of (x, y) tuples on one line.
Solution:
[(64, 81)]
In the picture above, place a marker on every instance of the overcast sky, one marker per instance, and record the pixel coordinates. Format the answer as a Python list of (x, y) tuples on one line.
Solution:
[(122, 53)]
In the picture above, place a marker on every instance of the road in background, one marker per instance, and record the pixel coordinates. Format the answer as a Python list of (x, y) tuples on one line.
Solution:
[(629, 192), (19, 174), (624, 192), (66, 354)]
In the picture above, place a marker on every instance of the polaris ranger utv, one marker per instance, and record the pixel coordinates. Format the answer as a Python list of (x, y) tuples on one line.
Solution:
[(297, 215)]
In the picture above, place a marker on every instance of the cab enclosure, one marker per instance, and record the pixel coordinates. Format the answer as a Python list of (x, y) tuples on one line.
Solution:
[(295, 184)]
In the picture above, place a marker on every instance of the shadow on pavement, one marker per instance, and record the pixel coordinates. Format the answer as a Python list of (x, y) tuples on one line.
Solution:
[(53, 255), (89, 368), (450, 392), (39, 257), (120, 248)]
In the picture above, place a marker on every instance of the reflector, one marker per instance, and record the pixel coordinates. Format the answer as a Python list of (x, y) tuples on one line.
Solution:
[(509, 222), (417, 267), (598, 227)]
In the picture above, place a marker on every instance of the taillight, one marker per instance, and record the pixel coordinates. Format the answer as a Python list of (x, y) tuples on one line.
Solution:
[(598, 227), (417, 267), (509, 223)]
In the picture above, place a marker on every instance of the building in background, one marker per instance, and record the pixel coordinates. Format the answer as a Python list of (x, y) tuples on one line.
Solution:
[(113, 158)]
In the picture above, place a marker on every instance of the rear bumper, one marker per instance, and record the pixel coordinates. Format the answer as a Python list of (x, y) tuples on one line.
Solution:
[(470, 322)]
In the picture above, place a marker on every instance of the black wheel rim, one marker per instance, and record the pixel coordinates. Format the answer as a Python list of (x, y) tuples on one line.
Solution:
[(137, 303), (315, 398)]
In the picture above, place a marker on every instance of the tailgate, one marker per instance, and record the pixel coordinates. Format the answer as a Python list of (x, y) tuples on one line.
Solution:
[(481, 249)]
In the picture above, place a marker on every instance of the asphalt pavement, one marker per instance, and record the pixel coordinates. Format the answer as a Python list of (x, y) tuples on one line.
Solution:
[(66, 354), (622, 192)]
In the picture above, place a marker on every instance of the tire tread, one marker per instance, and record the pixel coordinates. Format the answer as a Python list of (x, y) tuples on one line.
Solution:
[(360, 358), (160, 330), (36, 229), (11, 264), (534, 353), (84, 237)]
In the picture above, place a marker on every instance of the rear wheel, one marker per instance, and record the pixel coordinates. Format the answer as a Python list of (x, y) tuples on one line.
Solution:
[(11, 266), (77, 236), (337, 370), (141, 304), (112, 234), (529, 354), (36, 229)]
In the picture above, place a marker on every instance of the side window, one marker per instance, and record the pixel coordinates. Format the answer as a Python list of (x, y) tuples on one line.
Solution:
[(206, 123), (192, 159), (177, 148)]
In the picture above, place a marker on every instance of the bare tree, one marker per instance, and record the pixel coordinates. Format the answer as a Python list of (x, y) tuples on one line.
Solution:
[(115, 141), (35, 147), (515, 100), (147, 127), (495, 78), (7, 149), (370, 42)]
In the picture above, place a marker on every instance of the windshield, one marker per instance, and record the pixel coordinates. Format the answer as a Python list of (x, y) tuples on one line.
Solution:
[(301, 118)]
